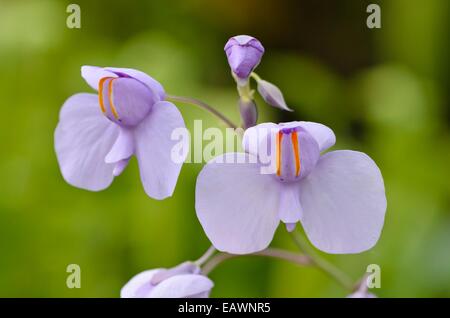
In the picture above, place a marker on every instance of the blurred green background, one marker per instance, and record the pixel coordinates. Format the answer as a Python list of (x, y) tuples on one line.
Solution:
[(383, 91)]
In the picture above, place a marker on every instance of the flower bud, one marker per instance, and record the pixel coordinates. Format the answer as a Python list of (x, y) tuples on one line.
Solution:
[(249, 112), (272, 94), (244, 54)]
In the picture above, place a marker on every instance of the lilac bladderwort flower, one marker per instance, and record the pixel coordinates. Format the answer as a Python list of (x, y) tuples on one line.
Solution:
[(244, 54), (362, 292), (338, 197), (182, 281), (97, 134)]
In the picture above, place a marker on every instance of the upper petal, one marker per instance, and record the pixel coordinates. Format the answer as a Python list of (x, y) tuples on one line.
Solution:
[(343, 202), (83, 137), (257, 139), (236, 204), (183, 286), (149, 81), (140, 285), (154, 146), (322, 134), (93, 74)]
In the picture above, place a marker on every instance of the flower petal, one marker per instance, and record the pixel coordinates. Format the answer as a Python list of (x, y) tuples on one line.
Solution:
[(343, 202), (256, 139), (149, 81), (290, 210), (154, 145), (140, 285), (236, 204), (123, 147), (83, 137), (93, 74), (322, 134), (187, 267), (183, 286)]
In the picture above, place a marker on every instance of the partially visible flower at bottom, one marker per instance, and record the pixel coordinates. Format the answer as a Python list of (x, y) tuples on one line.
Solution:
[(182, 281), (362, 292)]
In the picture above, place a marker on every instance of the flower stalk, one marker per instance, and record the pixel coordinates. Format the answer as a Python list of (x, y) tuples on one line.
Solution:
[(202, 105), (296, 258), (206, 256), (325, 266)]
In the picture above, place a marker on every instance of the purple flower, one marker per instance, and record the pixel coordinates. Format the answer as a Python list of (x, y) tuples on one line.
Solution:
[(244, 54), (338, 197), (182, 281), (362, 292), (248, 111), (98, 133), (272, 95)]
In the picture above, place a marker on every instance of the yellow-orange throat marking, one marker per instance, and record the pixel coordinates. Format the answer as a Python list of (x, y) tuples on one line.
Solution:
[(100, 93), (100, 96), (296, 147), (110, 94), (279, 137)]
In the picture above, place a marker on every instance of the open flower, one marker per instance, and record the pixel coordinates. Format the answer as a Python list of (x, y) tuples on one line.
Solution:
[(338, 197), (244, 54), (362, 292), (182, 281), (98, 133)]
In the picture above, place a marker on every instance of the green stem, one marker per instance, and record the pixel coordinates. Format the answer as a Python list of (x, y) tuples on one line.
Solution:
[(255, 76), (327, 267), (206, 256), (268, 252), (203, 105)]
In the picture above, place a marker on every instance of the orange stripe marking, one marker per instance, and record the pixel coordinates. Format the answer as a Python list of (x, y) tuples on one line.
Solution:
[(111, 104), (279, 138), (296, 147), (100, 93)]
